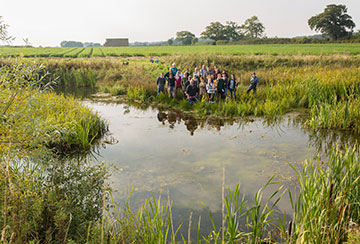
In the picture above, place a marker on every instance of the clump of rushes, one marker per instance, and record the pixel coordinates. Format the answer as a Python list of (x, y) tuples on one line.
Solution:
[(33, 117), (326, 200)]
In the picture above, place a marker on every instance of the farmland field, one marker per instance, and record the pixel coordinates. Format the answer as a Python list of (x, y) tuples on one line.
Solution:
[(276, 49)]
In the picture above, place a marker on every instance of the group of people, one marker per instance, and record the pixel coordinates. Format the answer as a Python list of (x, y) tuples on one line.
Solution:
[(203, 82)]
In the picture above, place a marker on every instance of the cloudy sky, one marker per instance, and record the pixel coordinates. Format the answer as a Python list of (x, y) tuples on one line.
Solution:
[(48, 22)]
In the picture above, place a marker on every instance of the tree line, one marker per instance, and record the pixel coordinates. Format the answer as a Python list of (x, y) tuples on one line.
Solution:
[(230, 31), (334, 23), (79, 44)]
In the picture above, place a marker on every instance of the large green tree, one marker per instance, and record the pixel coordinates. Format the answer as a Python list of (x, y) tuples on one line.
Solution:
[(217, 31), (214, 31), (185, 37), (253, 28), (71, 44), (334, 22), (232, 31)]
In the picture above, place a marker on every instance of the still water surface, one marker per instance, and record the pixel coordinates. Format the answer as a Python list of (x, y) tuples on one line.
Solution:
[(160, 151)]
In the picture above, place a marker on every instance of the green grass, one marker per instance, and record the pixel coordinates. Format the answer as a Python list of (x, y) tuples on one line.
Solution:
[(32, 117), (269, 49), (327, 87)]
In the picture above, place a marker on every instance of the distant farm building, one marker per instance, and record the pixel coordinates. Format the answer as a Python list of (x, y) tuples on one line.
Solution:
[(116, 42)]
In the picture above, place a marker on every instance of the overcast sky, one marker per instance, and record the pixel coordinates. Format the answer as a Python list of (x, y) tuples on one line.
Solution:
[(48, 22)]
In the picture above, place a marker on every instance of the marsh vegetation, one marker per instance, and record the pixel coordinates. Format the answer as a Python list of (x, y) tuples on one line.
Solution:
[(50, 196)]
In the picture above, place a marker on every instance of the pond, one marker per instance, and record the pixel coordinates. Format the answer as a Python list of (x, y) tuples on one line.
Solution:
[(161, 152)]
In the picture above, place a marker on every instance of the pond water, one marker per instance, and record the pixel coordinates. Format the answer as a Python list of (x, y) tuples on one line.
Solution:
[(162, 151)]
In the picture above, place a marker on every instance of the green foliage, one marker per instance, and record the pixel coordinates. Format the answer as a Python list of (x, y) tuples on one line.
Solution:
[(185, 37), (327, 86), (334, 22), (170, 41), (217, 31), (326, 200), (49, 202), (253, 28), (35, 118), (214, 31), (71, 44)]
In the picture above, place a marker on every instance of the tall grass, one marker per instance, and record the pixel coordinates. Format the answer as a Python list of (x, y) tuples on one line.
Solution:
[(33, 117), (326, 200), (51, 201)]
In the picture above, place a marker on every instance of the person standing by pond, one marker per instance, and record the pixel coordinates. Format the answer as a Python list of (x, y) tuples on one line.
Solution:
[(211, 89), (171, 85), (202, 88), (191, 92), (160, 82), (253, 83), (173, 69), (177, 83), (196, 82), (203, 71), (226, 82), (221, 87), (232, 86), (185, 82), (197, 73)]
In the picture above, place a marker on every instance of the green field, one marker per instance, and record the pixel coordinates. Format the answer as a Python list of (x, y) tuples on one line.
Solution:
[(275, 49)]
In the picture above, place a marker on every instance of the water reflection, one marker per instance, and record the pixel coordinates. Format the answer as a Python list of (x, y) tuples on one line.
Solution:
[(160, 150), (322, 140)]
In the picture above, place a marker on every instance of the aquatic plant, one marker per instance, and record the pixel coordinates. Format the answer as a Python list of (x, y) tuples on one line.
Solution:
[(326, 199)]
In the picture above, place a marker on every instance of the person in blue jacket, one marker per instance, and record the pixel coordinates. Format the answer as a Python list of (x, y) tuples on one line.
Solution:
[(253, 83)]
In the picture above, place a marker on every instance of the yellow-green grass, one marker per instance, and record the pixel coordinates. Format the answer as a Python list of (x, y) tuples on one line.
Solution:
[(47, 120), (327, 86)]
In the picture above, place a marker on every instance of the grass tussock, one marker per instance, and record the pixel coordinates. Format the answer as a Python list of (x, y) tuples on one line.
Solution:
[(32, 117)]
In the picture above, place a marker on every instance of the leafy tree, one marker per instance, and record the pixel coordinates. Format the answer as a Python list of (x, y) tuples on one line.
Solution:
[(194, 40), (185, 37), (71, 44), (253, 28), (170, 41), (334, 21), (232, 31), (215, 31), (219, 32), (3, 32)]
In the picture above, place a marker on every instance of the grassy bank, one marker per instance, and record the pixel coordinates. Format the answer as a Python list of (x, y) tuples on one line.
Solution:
[(35, 118), (40, 191), (327, 87)]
